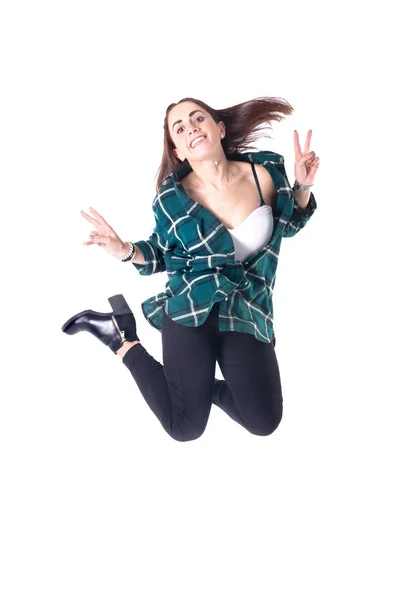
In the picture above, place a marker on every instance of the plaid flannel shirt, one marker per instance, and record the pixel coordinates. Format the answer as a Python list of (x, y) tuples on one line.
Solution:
[(196, 250)]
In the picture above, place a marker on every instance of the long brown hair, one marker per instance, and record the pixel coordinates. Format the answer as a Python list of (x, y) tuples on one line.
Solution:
[(244, 125)]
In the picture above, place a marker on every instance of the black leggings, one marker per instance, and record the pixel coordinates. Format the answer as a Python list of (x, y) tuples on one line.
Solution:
[(181, 392)]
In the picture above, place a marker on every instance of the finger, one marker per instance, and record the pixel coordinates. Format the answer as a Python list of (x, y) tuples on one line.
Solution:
[(297, 148), (90, 219), (307, 159), (308, 141), (93, 243), (310, 156), (99, 217), (104, 239)]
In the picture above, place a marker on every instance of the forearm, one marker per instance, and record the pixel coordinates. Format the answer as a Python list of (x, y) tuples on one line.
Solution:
[(302, 197)]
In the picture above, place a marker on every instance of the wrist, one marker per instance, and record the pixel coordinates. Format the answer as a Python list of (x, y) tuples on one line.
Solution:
[(131, 252), (134, 250), (124, 251), (301, 187)]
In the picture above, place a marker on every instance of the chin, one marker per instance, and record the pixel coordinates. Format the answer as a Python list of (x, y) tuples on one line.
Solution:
[(203, 155)]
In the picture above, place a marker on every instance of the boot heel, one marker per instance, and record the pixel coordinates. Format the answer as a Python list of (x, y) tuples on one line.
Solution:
[(119, 305)]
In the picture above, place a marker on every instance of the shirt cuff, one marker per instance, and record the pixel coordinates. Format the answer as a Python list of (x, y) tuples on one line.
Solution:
[(309, 209)]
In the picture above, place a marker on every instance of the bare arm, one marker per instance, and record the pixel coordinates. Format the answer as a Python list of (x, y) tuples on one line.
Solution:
[(302, 197)]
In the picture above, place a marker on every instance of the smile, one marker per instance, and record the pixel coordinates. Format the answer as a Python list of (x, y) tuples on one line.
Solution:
[(197, 141)]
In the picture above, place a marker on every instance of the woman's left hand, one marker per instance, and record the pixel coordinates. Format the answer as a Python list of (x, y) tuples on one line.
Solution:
[(306, 163)]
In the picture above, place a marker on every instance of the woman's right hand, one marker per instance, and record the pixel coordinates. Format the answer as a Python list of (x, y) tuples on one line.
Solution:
[(105, 236)]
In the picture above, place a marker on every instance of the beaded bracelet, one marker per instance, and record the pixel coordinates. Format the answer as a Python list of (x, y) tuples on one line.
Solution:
[(131, 254)]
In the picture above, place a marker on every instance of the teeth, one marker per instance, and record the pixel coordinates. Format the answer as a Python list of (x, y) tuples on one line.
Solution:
[(197, 141)]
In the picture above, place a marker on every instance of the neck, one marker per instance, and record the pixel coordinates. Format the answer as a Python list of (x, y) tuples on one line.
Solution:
[(215, 172)]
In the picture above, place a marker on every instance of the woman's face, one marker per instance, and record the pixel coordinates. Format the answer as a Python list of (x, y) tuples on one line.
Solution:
[(188, 121)]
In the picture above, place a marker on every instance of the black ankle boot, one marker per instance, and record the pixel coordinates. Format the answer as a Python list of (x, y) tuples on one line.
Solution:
[(113, 329)]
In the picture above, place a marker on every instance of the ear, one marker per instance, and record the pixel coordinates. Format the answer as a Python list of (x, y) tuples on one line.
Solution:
[(222, 128), (176, 153)]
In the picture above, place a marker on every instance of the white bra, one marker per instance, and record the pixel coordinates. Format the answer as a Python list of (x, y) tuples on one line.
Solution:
[(253, 233)]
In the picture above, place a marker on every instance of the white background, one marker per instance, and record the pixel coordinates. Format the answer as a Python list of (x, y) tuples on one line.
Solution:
[(97, 501)]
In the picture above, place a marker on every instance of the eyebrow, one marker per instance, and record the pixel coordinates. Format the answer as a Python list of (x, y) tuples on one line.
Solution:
[(190, 114)]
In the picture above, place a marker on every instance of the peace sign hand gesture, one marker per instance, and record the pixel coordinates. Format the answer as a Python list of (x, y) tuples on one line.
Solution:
[(105, 236), (306, 163)]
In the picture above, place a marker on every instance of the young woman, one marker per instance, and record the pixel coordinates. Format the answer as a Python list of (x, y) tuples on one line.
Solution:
[(220, 215)]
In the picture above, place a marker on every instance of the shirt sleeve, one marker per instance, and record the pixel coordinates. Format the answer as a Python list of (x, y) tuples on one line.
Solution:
[(153, 250), (300, 217)]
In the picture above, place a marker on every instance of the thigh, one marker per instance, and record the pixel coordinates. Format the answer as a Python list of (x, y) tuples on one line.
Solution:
[(189, 358), (251, 372)]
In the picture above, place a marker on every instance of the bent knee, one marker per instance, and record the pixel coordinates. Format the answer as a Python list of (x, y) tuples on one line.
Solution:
[(265, 427), (187, 434)]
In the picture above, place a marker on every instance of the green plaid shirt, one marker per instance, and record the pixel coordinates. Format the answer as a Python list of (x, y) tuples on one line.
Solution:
[(197, 252)]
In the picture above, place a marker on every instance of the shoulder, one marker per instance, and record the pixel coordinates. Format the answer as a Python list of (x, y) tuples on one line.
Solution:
[(164, 192), (264, 163), (270, 166), (164, 203), (266, 181)]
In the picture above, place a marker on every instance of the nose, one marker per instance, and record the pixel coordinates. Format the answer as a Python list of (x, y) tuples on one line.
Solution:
[(193, 129)]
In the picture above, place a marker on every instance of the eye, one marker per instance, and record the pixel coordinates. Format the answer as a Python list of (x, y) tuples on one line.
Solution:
[(200, 117)]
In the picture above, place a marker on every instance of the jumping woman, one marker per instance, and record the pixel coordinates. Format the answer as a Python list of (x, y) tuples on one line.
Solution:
[(220, 214)]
